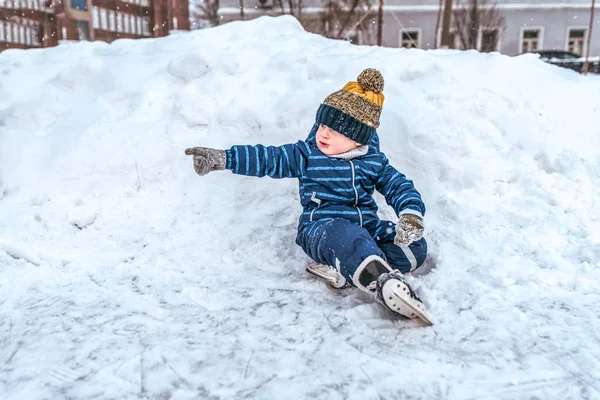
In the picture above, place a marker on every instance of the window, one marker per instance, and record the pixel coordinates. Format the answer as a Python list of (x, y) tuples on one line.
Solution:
[(111, 20), (96, 18), (489, 40), (531, 40), (410, 39), (103, 19), (146, 27), (35, 39), (1, 30), (8, 30), (79, 5), (119, 22), (28, 38), (22, 34), (15, 33), (139, 25), (576, 41), (132, 23), (83, 30), (126, 23)]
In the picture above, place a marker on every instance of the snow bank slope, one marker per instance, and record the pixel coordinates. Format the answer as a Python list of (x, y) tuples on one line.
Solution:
[(123, 274)]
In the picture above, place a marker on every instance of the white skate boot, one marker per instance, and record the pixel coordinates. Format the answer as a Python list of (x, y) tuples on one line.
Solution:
[(389, 287), (329, 274), (395, 293)]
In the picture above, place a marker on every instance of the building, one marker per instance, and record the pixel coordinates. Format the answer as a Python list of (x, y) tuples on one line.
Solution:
[(43, 23), (527, 25)]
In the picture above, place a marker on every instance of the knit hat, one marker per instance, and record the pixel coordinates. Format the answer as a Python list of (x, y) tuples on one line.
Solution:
[(354, 111)]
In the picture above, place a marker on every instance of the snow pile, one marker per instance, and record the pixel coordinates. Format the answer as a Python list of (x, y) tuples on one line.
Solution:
[(124, 274)]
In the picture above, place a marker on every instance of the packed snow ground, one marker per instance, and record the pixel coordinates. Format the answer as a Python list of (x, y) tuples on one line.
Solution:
[(123, 274)]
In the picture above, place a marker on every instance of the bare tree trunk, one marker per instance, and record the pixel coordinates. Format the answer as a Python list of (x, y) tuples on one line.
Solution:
[(339, 19), (446, 24), (242, 9), (349, 17), (586, 65), (437, 25), (300, 11), (470, 18), (280, 3), (215, 12), (380, 24), (365, 15), (207, 11), (291, 5), (474, 24)]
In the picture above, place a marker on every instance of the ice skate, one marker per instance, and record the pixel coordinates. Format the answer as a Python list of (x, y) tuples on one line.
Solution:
[(389, 287), (329, 274), (392, 290)]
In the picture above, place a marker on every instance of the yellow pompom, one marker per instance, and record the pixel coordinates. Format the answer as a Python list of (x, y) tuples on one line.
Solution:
[(358, 89)]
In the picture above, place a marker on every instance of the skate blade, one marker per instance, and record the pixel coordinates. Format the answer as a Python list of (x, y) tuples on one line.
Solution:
[(418, 312)]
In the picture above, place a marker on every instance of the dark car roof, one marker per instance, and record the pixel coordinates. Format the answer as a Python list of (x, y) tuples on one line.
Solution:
[(555, 53)]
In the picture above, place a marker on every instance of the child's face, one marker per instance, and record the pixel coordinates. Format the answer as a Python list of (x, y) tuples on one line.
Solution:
[(332, 142)]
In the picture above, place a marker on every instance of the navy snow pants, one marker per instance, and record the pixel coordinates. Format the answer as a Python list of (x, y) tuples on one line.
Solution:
[(337, 241)]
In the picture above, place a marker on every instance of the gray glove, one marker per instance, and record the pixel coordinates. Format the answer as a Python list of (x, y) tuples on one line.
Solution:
[(207, 160), (408, 229)]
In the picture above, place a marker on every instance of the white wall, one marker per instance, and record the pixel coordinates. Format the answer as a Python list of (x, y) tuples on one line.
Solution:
[(554, 17)]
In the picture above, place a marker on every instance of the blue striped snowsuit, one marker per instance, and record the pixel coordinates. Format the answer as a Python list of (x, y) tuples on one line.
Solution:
[(339, 225)]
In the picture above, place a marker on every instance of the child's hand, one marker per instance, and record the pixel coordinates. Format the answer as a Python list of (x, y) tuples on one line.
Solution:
[(207, 160), (408, 229)]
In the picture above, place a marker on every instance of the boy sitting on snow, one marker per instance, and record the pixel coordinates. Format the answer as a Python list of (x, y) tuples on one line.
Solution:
[(338, 167)]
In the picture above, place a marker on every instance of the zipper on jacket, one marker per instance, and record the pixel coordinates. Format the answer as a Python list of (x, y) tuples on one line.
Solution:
[(316, 200), (355, 193)]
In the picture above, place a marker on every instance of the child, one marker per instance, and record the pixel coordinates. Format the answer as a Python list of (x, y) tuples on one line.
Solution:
[(338, 167)]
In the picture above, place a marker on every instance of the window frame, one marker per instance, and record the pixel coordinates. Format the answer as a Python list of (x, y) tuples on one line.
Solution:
[(119, 22), (95, 17), (83, 30), (138, 24), (132, 25), (112, 21), (480, 38), (584, 28), (531, 28), (103, 18), (419, 33)]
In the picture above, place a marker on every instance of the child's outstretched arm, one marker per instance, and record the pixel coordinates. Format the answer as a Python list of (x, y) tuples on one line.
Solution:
[(401, 195), (286, 161)]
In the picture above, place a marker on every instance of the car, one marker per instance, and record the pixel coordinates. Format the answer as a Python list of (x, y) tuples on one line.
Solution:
[(567, 59), (562, 55)]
